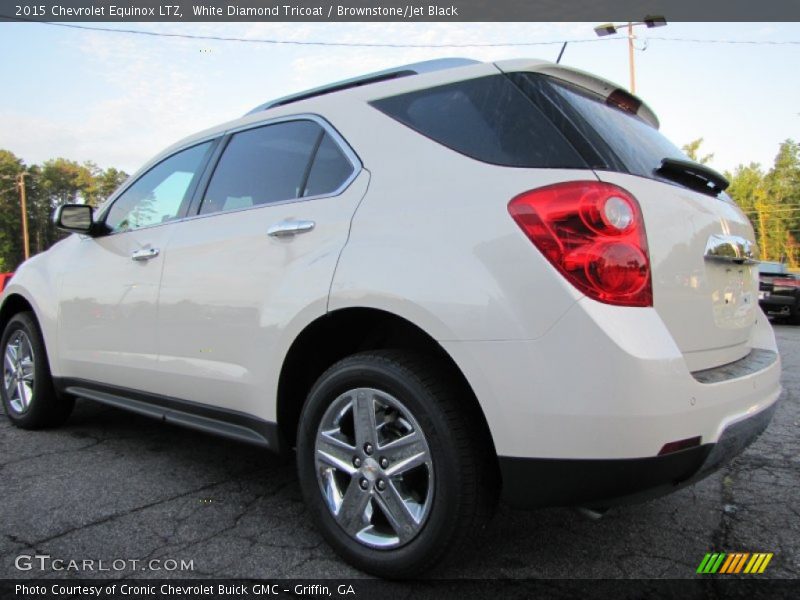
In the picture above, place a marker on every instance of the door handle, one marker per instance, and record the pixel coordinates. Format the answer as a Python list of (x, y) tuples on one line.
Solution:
[(290, 227), (144, 254)]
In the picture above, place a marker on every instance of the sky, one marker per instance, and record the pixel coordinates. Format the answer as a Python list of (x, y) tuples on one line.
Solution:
[(117, 99)]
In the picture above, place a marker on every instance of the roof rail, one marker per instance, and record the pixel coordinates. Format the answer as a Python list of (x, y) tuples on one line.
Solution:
[(427, 66)]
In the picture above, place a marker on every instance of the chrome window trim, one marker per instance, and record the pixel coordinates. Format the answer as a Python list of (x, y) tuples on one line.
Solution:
[(352, 157)]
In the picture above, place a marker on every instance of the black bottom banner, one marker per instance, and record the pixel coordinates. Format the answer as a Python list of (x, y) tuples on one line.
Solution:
[(219, 589)]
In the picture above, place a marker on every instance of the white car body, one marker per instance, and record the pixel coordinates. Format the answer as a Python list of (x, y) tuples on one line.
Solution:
[(422, 233)]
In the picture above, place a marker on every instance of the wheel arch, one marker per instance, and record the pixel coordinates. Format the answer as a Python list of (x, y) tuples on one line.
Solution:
[(12, 305), (343, 332)]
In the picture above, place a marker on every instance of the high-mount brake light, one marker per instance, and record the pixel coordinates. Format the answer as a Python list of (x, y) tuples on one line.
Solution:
[(593, 233)]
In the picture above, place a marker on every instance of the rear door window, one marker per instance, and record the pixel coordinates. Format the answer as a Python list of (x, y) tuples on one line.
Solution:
[(488, 119), (262, 166)]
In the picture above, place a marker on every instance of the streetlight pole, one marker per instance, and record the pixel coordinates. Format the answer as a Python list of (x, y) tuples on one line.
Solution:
[(611, 29), (631, 65)]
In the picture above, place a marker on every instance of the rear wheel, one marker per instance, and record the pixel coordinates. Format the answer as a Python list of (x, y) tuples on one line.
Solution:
[(391, 463), (29, 398)]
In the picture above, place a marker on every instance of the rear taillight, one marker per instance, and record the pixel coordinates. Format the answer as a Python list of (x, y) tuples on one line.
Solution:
[(593, 233)]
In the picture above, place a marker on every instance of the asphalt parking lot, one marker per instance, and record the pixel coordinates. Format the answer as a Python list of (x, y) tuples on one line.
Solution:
[(111, 485)]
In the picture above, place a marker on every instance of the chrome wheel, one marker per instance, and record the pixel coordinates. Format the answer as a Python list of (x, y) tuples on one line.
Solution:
[(19, 371), (374, 468)]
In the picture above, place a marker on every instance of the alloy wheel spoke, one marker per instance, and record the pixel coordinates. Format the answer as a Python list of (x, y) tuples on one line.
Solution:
[(364, 419), (27, 370), (352, 514), (335, 453), (397, 513), (405, 453), (23, 393), (11, 384), (9, 359)]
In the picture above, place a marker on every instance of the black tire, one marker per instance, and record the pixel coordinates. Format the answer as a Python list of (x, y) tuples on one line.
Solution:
[(46, 408), (466, 482)]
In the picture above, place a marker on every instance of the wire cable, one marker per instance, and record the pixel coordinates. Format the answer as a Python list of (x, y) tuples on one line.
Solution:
[(217, 38)]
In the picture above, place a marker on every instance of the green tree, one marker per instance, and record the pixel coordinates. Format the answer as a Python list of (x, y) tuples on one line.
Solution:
[(107, 182), (783, 187), (691, 149), (49, 185), (58, 181), (772, 202), (10, 216)]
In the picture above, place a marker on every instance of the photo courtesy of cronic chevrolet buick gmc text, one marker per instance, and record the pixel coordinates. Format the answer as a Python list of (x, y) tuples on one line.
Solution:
[(441, 285)]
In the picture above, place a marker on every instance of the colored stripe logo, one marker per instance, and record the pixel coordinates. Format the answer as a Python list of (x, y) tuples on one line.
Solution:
[(734, 562)]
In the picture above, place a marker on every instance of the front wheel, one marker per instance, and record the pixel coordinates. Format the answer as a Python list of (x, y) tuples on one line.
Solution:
[(29, 398), (392, 463)]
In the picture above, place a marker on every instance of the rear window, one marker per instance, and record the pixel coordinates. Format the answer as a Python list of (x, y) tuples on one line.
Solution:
[(534, 120), (608, 136), (488, 119)]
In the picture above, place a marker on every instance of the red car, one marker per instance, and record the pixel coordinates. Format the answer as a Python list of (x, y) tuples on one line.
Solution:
[(4, 279)]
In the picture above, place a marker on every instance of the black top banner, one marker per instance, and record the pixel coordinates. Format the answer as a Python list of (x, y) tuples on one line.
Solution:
[(398, 10)]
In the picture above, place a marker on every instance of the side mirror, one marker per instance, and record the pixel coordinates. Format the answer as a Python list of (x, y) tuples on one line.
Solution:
[(76, 218)]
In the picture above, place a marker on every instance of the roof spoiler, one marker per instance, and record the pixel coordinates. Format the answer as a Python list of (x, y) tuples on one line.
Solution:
[(612, 92)]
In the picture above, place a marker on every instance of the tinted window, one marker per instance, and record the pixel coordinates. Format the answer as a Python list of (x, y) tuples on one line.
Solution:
[(157, 196), (608, 136), (330, 169), (262, 165), (488, 119)]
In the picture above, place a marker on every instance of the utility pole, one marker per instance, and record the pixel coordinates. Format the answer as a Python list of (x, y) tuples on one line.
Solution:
[(26, 246), (762, 226)]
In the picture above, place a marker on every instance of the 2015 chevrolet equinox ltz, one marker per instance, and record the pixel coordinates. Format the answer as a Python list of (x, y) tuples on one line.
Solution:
[(438, 283)]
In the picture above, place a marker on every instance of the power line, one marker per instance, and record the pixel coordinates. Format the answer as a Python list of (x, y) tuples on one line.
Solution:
[(779, 206), (701, 41), (776, 207), (217, 38)]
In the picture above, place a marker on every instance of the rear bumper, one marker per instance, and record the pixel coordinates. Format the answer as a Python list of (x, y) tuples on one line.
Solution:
[(586, 408), (777, 303), (537, 482)]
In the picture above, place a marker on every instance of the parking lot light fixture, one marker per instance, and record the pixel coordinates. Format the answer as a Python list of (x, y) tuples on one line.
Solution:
[(607, 29)]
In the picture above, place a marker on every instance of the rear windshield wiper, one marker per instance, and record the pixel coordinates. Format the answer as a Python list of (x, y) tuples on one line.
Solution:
[(693, 175)]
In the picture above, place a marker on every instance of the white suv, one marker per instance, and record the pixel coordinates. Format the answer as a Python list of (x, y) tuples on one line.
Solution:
[(440, 284)]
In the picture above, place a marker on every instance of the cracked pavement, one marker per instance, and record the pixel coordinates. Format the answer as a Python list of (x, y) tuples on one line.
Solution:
[(111, 485)]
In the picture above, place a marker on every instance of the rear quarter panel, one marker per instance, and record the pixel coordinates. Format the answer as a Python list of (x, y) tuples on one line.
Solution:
[(433, 242)]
